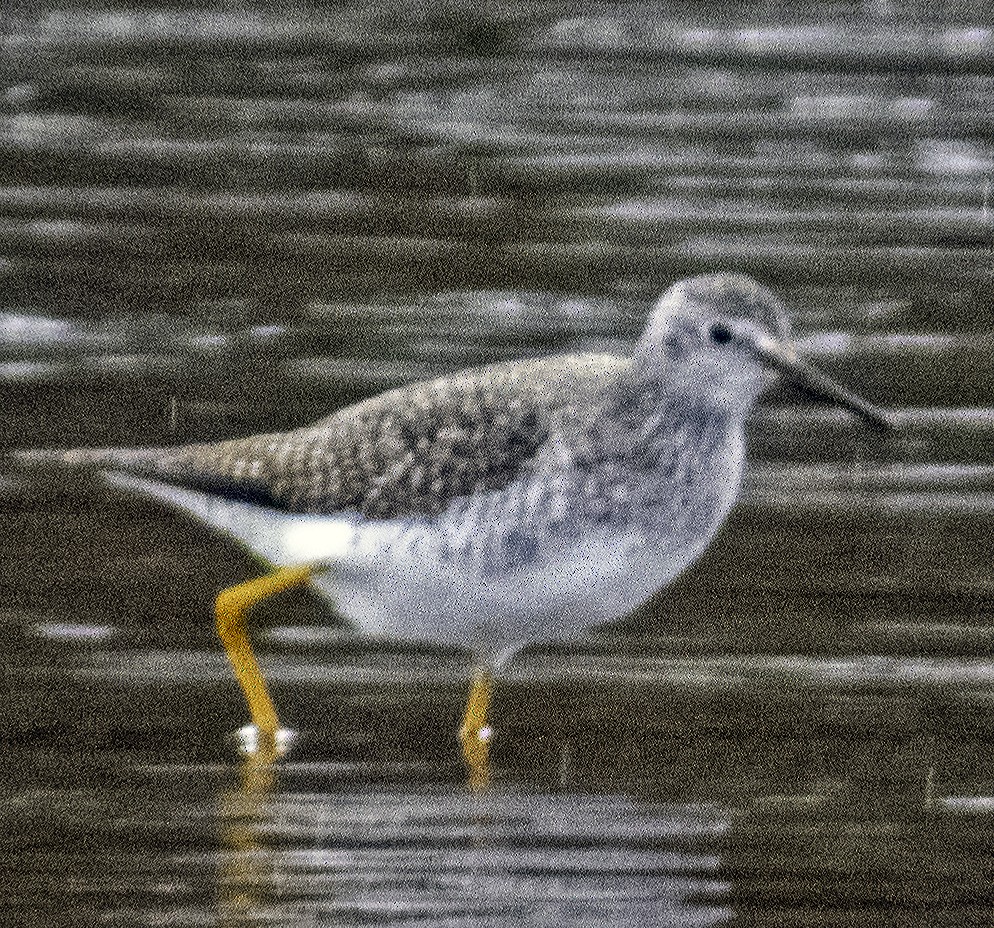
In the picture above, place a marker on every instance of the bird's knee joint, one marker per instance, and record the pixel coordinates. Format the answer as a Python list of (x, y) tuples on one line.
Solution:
[(230, 608)]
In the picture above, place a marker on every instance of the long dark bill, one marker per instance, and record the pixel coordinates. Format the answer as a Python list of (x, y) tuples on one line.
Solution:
[(785, 359)]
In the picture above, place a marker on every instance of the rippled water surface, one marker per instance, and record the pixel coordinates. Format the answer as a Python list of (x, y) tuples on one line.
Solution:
[(216, 221)]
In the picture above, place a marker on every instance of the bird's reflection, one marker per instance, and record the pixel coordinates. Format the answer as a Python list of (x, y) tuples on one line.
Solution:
[(434, 854), (245, 867)]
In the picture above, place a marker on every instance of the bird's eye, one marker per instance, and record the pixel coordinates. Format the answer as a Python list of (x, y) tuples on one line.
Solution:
[(720, 334)]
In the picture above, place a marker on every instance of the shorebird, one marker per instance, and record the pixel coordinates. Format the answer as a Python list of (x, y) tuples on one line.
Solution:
[(499, 505)]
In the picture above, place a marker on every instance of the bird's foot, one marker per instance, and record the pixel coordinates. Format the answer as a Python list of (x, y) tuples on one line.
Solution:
[(476, 734), (476, 754), (264, 746)]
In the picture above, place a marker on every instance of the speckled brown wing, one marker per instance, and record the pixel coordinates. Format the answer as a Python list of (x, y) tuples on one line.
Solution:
[(408, 451)]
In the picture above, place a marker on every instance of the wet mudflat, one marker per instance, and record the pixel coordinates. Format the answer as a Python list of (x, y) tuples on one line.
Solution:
[(215, 222)]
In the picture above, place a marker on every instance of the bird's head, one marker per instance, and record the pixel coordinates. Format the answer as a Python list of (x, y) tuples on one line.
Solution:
[(726, 338)]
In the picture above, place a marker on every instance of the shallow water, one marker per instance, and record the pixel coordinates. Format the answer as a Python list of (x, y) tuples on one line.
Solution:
[(215, 222), (630, 785)]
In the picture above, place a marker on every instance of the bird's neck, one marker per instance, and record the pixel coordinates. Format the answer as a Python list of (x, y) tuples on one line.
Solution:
[(648, 420), (651, 401), (695, 384)]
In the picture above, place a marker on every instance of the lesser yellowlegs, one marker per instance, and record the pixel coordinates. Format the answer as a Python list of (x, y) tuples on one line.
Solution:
[(499, 505)]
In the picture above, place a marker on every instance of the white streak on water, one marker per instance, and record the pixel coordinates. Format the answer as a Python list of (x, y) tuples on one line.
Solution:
[(72, 631)]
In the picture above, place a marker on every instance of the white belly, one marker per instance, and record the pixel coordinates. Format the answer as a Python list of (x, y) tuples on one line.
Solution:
[(427, 598), (385, 588)]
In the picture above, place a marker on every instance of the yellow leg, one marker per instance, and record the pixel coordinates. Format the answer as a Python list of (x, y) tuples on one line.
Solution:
[(476, 733), (231, 609)]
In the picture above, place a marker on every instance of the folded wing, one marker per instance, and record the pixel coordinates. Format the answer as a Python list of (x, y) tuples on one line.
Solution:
[(409, 451)]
